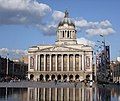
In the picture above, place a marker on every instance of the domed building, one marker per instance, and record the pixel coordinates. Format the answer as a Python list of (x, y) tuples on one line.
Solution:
[(65, 60)]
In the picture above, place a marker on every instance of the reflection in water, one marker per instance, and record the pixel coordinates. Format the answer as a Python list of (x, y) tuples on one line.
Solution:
[(60, 94), (13, 94)]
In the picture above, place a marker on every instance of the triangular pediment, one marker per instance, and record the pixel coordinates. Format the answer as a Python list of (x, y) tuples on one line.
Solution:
[(60, 48)]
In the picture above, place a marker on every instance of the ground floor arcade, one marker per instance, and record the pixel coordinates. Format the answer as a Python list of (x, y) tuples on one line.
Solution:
[(62, 76)]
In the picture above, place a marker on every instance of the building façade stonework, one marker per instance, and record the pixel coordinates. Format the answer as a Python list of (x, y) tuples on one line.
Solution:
[(65, 60)]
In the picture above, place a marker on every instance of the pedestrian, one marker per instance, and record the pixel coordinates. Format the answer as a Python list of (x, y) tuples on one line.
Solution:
[(75, 84), (55, 81)]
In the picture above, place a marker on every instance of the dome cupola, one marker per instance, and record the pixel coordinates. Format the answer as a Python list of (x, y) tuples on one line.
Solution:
[(66, 33), (66, 20)]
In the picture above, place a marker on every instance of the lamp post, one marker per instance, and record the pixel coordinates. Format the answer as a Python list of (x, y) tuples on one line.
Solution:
[(7, 65), (103, 40), (96, 60), (106, 52)]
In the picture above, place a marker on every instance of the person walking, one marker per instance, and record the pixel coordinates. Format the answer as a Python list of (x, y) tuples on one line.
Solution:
[(55, 81)]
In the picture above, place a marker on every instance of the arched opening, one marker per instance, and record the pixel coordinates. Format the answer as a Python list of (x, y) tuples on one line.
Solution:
[(59, 77), (64, 77), (41, 77), (53, 77), (77, 77), (71, 77), (31, 77), (47, 77)]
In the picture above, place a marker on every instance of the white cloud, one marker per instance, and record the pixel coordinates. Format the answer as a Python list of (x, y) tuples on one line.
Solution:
[(95, 28), (48, 29), (81, 23), (105, 24), (34, 13), (58, 15), (22, 11), (86, 24), (19, 52), (100, 31), (51, 27), (85, 41), (12, 53), (3, 51)]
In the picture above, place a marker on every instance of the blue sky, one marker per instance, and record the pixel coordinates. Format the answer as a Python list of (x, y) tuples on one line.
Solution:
[(22, 26)]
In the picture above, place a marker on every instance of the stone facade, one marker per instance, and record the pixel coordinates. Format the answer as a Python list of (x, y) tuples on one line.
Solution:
[(65, 60)]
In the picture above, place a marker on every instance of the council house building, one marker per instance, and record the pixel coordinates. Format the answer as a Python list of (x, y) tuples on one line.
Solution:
[(65, 60)]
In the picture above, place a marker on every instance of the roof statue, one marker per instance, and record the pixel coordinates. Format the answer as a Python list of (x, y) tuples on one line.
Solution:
[(66, 20), (66, 14)]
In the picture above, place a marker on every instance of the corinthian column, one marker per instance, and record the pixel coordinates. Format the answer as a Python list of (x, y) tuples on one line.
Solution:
[(62, 62), (29, 62), (50, 62), (44, 61), (80, 63), (74, 62), (56, 62), (83, 61), (68, 62), (36, 62)]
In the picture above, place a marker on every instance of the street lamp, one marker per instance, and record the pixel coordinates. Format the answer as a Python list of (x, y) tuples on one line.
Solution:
[(103, 40), (7, 64)]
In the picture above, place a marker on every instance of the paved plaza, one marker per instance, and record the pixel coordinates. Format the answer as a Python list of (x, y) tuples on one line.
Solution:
[(34, 84)]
